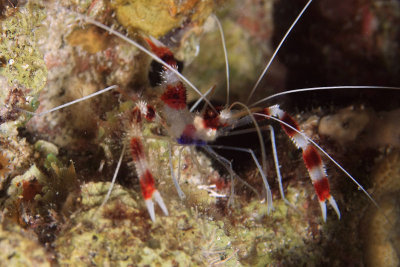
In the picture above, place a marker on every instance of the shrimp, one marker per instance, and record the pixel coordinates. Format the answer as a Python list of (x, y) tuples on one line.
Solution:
[(174, 123)]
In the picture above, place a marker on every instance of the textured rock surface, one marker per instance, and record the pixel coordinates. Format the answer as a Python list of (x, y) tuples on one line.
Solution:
[(21, 248), (382, 225)]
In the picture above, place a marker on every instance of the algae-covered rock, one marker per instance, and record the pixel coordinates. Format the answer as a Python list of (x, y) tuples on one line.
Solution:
[(37, 198), (21, 61), (345, 126), (16, 153), (119, 233), (20, 248)]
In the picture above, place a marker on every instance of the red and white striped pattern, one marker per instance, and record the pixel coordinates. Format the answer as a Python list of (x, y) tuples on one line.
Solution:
[(183, 125), (311, 157), (175, 110), (147, 182)]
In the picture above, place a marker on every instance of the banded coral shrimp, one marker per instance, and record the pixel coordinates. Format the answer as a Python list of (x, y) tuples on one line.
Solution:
[(126, 213)]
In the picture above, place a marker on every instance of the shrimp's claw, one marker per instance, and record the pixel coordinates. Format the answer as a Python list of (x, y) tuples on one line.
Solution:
[(323, 209), (160, 202), (321, 187), (150, 205), (333, 204), (150, 208), (149, 192)]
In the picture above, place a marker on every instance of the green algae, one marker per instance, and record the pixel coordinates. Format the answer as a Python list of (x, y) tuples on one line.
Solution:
[(20, 33), (46, 147)]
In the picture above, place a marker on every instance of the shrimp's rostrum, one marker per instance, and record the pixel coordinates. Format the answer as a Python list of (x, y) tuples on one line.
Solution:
[(238, 210)]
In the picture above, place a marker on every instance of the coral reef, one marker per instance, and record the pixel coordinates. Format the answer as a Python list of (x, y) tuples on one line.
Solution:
[(55, 169), (381, 225)]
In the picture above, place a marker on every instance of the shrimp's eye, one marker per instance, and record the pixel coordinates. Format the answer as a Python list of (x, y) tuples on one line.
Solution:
[(156, 69)]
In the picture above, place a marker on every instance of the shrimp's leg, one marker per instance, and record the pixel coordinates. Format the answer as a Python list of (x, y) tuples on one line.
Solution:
[(311, 157), (146, 179), (147, 182)]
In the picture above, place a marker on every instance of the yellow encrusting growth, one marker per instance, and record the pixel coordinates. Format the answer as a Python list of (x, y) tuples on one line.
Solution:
[(158, 17), (90, 39)]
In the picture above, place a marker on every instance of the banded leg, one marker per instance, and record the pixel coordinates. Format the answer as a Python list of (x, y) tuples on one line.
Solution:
[(311, 157), (146, 179), (147, 182)]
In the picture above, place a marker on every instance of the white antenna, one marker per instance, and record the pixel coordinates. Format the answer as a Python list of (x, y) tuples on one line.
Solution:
[(221, 31), (276, 51)]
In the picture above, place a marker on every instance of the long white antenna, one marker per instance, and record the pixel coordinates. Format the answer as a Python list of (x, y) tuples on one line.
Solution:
[(221, 32), (72, 102), (276, 51), (322, 88)]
